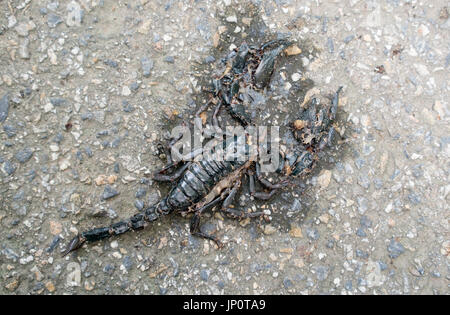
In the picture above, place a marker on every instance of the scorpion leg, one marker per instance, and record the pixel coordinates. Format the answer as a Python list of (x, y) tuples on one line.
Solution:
[(172, 177), (215, 121), (266, 183), (195, 228), (264, 71), (234, 213), (195, 222), (262, 195)]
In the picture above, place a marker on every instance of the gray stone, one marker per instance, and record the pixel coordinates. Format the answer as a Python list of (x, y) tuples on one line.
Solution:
[(312, 233), (146, 66), (210, 59), (53, 20), (109, 193), (4, 107), (395, 249), (111, 63), (57, 101), (9, 168), (330, 45), (127, 263), (139, 204), (141, 192), (24, 52), (321, 272), (24, 155), (109, 269), (9, 130), (204, 275), (169, 59), (287, 283)]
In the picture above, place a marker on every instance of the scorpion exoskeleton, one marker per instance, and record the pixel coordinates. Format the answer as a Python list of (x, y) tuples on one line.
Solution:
[(208, 182)]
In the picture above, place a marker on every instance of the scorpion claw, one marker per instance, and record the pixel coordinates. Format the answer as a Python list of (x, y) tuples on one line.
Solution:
[(74, 244)]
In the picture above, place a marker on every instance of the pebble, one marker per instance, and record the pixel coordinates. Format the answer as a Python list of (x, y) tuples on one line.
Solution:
[(13, 285), (12, 21), (204, 275), (111, 63), (23, 28), (126, 91), (287, 283), (24, 52), (395, 249), (55, 227), (324, 178), (146, 66), (109, 192), (321, 272), (330, 45), (296, 76), (109, 269), (210, 59), (232, 19), (24, 155), (127, 262), (9, 168), (312, 233), (445, 249), (169, 59), (74, 14), (50, 286), (269, 229), (53, 20), (64, 164), (296, 232), (4, 107), (139, 204), (57, 101)]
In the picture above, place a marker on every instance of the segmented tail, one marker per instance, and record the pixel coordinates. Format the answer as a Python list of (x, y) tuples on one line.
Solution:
[(136, 222)]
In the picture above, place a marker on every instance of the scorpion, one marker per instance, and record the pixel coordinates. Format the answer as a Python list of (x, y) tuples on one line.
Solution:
[(202, 184)]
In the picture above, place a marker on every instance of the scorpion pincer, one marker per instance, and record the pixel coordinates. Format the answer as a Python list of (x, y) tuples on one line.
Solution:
[(202, 184)]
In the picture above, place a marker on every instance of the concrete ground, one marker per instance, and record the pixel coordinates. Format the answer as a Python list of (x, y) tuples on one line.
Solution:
[(88, 86)]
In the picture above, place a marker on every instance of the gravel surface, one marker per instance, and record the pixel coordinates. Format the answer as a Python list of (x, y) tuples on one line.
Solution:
[(88, 87)]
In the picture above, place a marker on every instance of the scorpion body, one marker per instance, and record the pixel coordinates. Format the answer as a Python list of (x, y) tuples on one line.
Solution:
[(203, 184)]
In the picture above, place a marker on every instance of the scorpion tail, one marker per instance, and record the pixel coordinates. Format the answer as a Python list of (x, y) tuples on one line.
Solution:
[(136, 222)]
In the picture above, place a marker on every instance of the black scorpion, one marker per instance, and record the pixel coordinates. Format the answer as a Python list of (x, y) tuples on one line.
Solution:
[(203, 184)]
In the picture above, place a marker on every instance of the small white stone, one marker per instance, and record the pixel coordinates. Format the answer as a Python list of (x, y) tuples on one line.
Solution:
[(232, 46), (296, 76), (126, 91), (423, 30), (52, 56), (232, 19), (114, 244), (167, 37), (305, 61), (12, 21), (48, 107), (237, 29), (54, 147), (421, 69), (75, 50), (366, 38), (64, 164), (117, 255)]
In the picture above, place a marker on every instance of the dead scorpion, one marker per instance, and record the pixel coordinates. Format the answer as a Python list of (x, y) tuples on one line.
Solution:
[(203, 184)]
